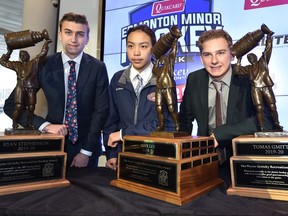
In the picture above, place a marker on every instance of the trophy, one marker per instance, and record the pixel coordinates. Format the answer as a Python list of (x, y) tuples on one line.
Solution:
[(165, 43), (259, 160), (164, 52), (249, 41), (27, 75), (35, 161), (258, 73), (23, 39)]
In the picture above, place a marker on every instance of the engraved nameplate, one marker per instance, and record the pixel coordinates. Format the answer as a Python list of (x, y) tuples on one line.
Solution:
[(29, 145), (147, 172), (151, 148), (261, 174), (31, 169), (261, 148)]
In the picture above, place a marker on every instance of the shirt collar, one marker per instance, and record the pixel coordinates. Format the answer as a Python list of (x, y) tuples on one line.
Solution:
[(65, 58), (226, 79), (145, 74)]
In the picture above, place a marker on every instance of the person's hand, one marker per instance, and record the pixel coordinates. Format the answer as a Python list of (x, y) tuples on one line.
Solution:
[(270, 34), (59, 129), (9, 52), (48, 41), (6, 56), (215, 141), (112, 163), (80, 160), (114, 138), (239, 60)]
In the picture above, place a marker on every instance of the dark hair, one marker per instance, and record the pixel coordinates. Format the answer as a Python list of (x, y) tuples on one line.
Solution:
[(77, 18), (214, 34), (145, 29)]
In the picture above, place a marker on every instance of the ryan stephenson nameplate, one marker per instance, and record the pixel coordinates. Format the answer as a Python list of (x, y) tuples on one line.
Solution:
[(32, 145)]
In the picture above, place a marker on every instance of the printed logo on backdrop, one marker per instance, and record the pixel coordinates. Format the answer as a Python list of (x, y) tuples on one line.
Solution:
[(192, 17), (254, 4), (166, 7)]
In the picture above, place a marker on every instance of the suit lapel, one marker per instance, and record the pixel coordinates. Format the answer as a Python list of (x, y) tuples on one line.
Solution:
[(203, 99), (84, 73), (55, 77), (58, 76), (232, 98)]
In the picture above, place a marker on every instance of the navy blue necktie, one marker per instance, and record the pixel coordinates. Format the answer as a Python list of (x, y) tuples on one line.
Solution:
[(71, 105)]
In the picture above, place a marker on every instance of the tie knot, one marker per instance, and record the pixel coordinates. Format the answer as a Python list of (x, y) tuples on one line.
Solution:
[(139, 78), (218, 85), (72, 64)]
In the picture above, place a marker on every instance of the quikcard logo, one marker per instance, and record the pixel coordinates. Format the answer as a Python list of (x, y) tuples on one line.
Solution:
[(166, 7), (253, 4)]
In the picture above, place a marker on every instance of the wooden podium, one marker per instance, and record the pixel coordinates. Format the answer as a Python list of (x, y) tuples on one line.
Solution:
[(31, 162), (259, 167), (175, 170)]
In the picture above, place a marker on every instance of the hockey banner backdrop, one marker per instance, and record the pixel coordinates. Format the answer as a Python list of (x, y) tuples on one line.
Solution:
[(193, 17)]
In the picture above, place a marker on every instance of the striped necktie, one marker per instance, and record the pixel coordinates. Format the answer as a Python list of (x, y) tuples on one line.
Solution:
[(139, 85)]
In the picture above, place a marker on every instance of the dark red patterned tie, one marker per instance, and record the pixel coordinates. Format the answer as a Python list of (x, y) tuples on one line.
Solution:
[(71, 105)]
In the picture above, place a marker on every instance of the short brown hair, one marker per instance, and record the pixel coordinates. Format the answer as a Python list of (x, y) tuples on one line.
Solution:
[(214, 34), (73, 17)]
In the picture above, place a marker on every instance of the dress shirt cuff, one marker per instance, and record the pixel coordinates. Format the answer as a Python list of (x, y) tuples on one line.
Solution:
[(121, 138), (87, 153), (43, 126)]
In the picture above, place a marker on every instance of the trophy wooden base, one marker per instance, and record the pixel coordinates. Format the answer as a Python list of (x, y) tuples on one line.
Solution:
[(259, 193), (11, 131), (18, 188), (31, 163), (187, 193), (174, 170), (259, 167)]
